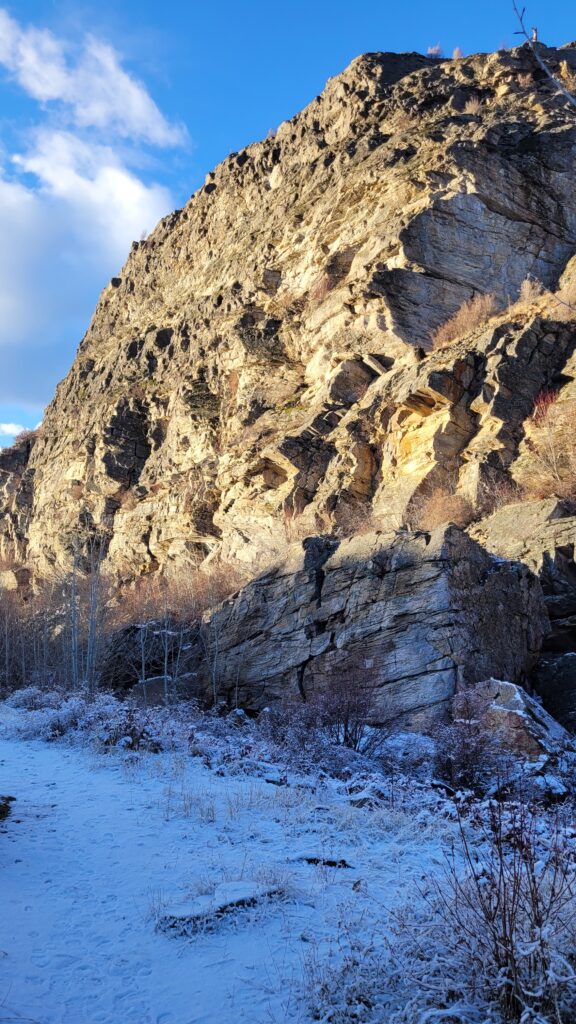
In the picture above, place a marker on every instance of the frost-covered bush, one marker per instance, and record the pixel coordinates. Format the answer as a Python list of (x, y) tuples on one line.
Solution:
[(491, 940), (408, 753), (51, 723), (468, 753), (131, 729), (103, 720), (32, 698), (339, 717)]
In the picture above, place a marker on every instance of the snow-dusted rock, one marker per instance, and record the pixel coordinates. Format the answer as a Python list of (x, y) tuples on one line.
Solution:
[(520, 721), (5, 802)]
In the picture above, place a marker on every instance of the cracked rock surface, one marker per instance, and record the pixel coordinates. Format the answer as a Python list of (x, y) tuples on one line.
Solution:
[(261, 370), (415, 616), (258, 359)]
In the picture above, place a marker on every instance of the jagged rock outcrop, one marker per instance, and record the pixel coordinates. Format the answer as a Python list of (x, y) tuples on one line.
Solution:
[(256, 370), (413, 617)]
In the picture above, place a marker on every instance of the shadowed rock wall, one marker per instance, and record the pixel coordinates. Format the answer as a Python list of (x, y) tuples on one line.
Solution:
[(414, 616)]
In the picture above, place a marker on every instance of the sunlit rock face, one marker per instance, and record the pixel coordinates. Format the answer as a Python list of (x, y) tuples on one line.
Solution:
[(257, 370)]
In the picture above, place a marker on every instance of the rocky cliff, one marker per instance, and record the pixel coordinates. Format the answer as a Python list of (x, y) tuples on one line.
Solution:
[(255, 365), (413, 617), (262, 370)]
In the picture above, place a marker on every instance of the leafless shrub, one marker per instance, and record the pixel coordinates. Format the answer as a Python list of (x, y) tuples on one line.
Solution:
[(457, 53), (525, 80), (467, 752), (550, 468), (497, 491), (473, 106), (132, 729), (530, 290), (355, 520), (26, 436), (434, 51), (543, 403), (345, 711), (440, 507), (508, 917), (340, 715), (472, 314), (489, 939)]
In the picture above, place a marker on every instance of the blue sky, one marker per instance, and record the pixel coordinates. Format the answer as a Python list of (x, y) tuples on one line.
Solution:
[(112, 113)]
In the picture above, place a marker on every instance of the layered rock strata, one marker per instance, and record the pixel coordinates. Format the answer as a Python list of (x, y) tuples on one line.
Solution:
[(257, 370), (412, 617)]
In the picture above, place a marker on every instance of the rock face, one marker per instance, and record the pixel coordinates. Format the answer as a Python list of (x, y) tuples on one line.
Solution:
[(543, 536), (519, 722), (262, 371), (256, 372), (412, 617)]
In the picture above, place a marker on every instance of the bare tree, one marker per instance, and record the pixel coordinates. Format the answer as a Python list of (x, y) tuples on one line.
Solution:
[(532, 40)]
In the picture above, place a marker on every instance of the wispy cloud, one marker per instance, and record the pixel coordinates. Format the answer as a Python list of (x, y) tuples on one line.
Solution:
[(10, 429), (72, 196), (90, 83)]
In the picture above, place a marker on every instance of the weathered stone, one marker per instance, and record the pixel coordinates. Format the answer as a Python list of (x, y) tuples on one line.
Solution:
[(413, 616), (555, 682), (256, 370), (519, 722), (542, 536)]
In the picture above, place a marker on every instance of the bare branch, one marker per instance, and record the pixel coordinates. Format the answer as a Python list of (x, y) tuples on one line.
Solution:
[(533, 44)]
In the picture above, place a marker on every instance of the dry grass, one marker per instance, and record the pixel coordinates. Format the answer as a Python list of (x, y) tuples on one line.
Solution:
[(457, 53), (567, 76), (442, 507), (473, 106), (473, 313), (525, 80), (550, 469), (559, 305), (530, 290), (564, 301)]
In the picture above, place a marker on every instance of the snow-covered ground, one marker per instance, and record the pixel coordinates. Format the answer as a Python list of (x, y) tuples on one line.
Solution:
[(100, 847)]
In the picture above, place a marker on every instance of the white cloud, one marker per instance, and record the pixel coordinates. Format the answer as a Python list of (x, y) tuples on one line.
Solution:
[(93, 86), (72, 199), (10, 429), (89, 183)]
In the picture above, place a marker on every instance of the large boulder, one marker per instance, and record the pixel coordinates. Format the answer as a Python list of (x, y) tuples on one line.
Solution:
[(519, 721), (413, 616)]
